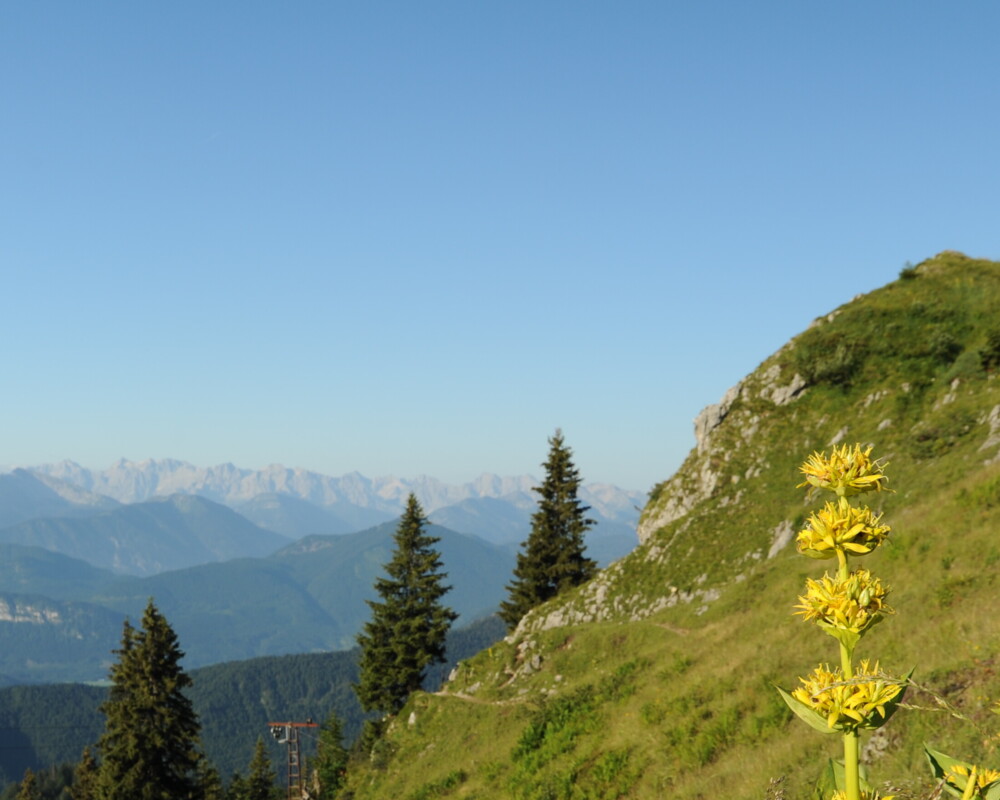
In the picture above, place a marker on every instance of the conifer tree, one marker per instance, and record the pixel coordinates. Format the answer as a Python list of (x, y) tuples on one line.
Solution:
[(261, 784), (211, 781), (237, 789), (149, 749), (408, 626), (331, 757), (85, 777), (552, 558), (28, 788)]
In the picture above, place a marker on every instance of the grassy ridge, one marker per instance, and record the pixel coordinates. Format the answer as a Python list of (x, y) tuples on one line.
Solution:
[(660, 685)]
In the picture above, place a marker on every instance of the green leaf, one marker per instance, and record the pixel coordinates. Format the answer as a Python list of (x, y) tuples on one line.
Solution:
[(942, 763), (806, 714), (849, 639), (832, 780)]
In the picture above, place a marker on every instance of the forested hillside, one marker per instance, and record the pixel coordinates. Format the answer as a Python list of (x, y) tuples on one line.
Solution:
[(43, 726), (308, 597)]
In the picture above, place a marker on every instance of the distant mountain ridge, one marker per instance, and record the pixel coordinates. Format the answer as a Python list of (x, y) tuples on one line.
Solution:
[(161, 533), (135, 481), (25, 495), (60, 617)]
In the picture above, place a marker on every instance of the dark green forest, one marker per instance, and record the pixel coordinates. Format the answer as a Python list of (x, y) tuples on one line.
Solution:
[(43, 727)]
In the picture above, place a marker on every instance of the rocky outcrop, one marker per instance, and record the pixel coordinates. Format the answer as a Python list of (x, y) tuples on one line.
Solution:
[(697, 479), (993, 437), (12, 610)]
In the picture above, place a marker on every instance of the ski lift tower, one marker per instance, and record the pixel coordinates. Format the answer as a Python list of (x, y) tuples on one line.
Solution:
[(288, 733)]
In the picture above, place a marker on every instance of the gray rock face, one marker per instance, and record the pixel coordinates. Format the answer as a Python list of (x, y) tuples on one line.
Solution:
[(993, 437), (711, 417), (697, 480)]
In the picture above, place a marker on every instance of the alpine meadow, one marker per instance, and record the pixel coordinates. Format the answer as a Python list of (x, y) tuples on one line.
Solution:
[(657, 677)]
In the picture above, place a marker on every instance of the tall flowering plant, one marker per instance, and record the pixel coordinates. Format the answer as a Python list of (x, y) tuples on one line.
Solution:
[(846, 604)]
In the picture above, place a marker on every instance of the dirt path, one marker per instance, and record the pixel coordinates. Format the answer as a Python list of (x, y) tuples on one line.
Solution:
[(468, 698)]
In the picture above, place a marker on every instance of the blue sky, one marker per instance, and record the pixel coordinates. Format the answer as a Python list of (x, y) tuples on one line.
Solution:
[(414, 238)]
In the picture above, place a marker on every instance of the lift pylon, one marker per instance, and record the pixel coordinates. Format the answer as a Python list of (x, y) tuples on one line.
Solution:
[(288, 733)]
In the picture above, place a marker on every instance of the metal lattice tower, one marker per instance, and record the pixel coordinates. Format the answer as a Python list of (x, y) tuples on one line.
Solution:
[(288, 733)]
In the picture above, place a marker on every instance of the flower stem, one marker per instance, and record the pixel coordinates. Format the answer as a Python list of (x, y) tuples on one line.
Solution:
[(852, 768)]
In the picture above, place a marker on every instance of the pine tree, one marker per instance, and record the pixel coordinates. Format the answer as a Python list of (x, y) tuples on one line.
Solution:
[(211, 781), (331, 757), (85, 777), (261, 784), (237, 789), (28, 789), (149, 748), (408, 626), (552, 558)]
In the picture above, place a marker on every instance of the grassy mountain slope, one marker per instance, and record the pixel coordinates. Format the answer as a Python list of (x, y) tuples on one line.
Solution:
[(654, 679)]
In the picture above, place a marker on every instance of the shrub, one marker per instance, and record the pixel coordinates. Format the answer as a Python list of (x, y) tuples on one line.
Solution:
[(989, 353)]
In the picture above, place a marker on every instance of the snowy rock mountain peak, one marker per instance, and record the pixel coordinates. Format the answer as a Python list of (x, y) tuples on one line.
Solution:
[(135, 481)]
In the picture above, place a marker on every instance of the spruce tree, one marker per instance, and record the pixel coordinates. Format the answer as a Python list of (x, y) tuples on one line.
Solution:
[(552, 558), (331, 757), (85, 777), (261, 784), (211, 782), (28, 788), (149, 749), (408, 626), (237, 789)]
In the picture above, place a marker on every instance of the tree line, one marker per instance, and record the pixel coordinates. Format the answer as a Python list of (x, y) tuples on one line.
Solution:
[(150, 747)]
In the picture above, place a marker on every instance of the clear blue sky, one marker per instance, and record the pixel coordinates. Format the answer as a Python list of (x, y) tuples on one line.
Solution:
[(415, 237)]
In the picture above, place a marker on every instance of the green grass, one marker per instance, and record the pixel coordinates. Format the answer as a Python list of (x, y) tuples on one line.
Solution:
[(680, 703)]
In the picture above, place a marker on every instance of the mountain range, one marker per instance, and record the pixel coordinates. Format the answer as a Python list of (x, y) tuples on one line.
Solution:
[(290, 502), (135, 481), (283, 565)]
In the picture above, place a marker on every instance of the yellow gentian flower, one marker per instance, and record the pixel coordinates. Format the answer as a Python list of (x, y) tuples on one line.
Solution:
[(848, 703), (847, 471), (841, 526), (854, 603)]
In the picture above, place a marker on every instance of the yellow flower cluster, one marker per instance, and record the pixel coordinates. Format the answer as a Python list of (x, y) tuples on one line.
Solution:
[(840, 794), (853, 604), (841, 526), (847, 471), (958, 776), (848, 703)]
